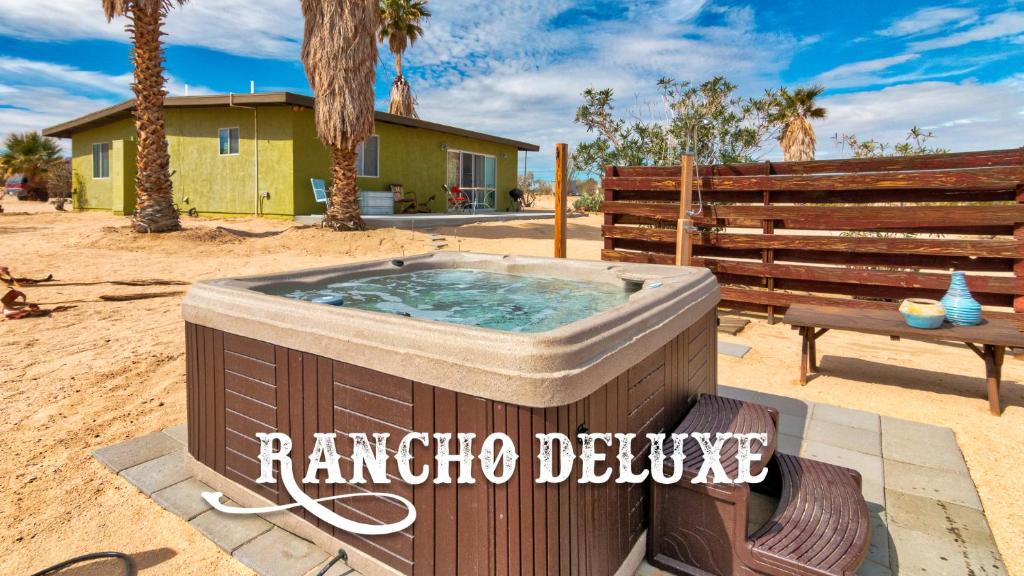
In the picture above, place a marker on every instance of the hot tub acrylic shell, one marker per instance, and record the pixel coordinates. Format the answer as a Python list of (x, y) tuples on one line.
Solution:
[(531, 369), (259, 362)]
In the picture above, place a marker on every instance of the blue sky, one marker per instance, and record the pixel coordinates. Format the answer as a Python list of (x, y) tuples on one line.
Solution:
[(516, 68)]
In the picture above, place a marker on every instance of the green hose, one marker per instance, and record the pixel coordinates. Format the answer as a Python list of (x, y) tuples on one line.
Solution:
[(129, 564)]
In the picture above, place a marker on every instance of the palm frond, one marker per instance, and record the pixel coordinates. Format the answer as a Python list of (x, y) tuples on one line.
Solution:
[(339, 51), (115, 8)]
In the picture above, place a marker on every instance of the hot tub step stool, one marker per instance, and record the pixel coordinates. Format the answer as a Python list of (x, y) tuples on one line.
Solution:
[(819, 527)]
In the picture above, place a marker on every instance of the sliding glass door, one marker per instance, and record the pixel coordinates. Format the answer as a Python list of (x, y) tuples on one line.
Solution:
[(476, 176)]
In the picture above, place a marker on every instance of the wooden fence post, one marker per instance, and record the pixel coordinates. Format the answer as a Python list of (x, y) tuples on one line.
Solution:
[(561, 191), (1018, 265), (768, 255), (684, 243)]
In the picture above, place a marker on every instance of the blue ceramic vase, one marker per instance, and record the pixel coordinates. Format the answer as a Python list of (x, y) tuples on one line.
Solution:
[(961, 308)]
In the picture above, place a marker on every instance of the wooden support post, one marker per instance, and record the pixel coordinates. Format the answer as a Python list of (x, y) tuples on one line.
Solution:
[(684, 243), (609, 196), (993, 356), (561, 192), (768, 254)]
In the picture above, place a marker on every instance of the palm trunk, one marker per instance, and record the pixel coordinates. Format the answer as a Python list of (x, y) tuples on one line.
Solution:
[(343, 201), (154, 207), (398, 63)]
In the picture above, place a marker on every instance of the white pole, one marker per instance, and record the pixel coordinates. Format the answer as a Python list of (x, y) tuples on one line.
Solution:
[(252, 86)]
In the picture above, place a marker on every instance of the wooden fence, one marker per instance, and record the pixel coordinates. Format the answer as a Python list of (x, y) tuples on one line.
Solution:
[(867, 231)]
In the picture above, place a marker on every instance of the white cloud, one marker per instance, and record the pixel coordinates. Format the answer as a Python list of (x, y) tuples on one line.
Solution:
[(523, 80), (262, 28), (875, 65), (872, 72), (36, 95), (1003, 25), (928, 20), (964, 116), (48, 73)]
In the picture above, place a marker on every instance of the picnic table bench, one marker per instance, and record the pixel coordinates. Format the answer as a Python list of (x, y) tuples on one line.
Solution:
[(988, 340)]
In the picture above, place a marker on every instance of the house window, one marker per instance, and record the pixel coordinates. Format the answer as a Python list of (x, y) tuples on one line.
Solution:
[(101, 160), (228, 141), (368, 158), (476, 175)]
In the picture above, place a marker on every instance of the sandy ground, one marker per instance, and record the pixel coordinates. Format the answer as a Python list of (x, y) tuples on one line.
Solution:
[(103, 372)]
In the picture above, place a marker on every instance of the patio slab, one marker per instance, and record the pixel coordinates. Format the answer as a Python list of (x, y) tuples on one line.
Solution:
[(281, 553), (856, 439), (424, 221), (136, 451), (158, 473), (183, 498), (922, 444), (945, 485), (179, 433), (230, 531)]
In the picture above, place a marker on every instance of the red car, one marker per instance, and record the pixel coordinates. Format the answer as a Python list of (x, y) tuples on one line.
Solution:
[(17, 185)]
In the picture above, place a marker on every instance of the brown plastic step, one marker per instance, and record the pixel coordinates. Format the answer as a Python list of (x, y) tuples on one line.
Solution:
[(821, 526), (714, 414)]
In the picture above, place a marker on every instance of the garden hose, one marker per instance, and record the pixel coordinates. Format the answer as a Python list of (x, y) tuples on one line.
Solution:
[(342, 556), (129, 564)]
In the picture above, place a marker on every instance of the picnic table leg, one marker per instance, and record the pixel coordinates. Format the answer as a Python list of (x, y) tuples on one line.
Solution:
[(993, 375), (812, 350), (805, 334)]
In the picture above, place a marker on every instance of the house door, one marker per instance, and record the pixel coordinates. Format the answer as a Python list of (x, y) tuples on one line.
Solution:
[(476, 176)]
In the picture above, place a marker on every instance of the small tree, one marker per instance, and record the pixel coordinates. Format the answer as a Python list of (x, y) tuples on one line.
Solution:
[(707, 120), (532, 187), (33, 156), (915, 144), (400, 27), (793, 112)]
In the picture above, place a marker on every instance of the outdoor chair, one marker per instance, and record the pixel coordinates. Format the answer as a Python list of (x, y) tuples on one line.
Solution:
[(457, 199), (319, 190)]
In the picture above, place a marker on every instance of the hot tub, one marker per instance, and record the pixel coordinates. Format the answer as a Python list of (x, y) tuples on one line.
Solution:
[(568, 346)]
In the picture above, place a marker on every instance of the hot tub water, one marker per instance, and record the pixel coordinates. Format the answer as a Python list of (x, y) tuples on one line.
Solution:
[(474, 297)]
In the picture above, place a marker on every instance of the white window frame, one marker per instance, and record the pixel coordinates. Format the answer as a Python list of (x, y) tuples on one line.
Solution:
[(110, 147), (483, 189), (229, 128), (360, 168)]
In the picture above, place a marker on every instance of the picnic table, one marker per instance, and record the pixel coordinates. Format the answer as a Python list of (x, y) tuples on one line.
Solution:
[(988, 340)]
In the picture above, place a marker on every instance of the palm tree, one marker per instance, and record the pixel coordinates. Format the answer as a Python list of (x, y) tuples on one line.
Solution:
[(794, 112), (339, 51), (154, 204), (31, 155), (400, 27)]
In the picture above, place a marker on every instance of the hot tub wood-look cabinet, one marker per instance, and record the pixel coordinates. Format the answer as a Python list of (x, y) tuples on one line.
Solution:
[(259, 362)]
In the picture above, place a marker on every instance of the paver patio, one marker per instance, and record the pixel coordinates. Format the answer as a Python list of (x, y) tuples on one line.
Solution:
[(926, 514)]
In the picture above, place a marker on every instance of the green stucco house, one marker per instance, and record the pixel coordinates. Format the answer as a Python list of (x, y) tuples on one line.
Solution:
[(254, 154)]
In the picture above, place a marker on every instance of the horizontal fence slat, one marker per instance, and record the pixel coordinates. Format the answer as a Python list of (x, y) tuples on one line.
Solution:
[(917, 280), (835, 217), (784, 299), (1010, 157), (995, 248), (830, 197), (992, 178), (644, 252), (750, 223)]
